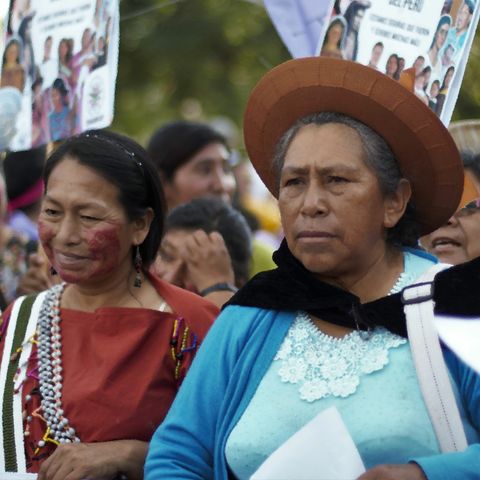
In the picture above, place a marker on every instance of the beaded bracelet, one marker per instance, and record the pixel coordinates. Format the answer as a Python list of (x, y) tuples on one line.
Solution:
[(218, 287)]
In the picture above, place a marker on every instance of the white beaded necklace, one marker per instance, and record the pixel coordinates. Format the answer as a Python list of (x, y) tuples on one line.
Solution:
[(50, 367)]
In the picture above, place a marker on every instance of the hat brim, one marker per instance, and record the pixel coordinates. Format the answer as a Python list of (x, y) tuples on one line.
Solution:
[(423, 147)]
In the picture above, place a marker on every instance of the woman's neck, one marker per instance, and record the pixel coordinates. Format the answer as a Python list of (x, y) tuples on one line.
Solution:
[(116, 291), (374, 280)]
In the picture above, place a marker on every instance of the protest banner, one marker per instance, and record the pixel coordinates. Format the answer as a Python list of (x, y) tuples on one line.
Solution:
[(426, 42), (63, 58)]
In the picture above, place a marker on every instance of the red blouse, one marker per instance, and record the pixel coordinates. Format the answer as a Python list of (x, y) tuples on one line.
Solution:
[(122, 369)]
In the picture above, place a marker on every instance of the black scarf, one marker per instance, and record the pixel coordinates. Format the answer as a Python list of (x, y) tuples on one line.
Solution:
[(292, 287)]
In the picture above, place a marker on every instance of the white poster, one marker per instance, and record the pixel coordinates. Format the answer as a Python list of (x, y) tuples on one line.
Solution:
[(62, 57), (392, 36)]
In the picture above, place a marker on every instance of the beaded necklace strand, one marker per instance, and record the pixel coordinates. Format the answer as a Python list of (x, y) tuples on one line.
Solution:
[(50, 368)]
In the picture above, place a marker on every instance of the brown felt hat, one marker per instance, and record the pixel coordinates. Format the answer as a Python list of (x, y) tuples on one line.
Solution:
[(423, 147)]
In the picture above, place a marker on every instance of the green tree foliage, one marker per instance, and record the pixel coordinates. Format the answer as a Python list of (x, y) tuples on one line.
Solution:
[(192, 58), (200, 59), (468, 104)]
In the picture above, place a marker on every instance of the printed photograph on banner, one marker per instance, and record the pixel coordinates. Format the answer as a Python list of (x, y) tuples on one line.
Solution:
[(62, 58), (424, 45)]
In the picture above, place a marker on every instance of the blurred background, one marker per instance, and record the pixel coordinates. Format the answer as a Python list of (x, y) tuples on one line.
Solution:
[(199, 59)]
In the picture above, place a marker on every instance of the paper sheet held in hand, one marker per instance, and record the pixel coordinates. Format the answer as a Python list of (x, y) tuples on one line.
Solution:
[(322, 449)]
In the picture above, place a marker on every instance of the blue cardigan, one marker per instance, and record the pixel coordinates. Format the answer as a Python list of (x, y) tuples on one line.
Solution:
[(190, 444)]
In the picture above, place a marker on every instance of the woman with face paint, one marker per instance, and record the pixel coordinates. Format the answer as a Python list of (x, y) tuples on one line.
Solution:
[(96, 362)]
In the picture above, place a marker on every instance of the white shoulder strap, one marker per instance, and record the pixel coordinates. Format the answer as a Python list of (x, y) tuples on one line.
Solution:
[(16, 403), (429, 363)]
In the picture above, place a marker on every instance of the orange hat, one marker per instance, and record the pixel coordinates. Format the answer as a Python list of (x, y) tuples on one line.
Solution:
[(425, 151), (470, 192)]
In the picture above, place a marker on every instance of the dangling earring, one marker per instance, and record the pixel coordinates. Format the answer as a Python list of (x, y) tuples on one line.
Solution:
[(138, 268)]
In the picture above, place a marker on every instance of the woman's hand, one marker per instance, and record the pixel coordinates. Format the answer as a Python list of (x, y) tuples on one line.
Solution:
[(207, 260), (409, 471), (96, 461)]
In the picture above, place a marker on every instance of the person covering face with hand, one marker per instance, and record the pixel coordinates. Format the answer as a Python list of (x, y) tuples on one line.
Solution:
[(206, 243)]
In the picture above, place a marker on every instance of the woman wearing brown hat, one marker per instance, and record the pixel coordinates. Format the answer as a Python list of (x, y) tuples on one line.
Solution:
[(360, 167)]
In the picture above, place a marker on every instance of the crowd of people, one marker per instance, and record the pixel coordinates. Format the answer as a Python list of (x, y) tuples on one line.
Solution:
[(150, 331)]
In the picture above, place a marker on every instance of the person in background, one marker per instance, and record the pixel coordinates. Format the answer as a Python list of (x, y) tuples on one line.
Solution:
[(458, 33), (205, 232), (101, 54), (193, 161), (23, 176), (107, 348), (353, 15), (401, 67), (471, 163), (447, 56), (427, 75), (332, 45), (391, 66), (437, 44), (13, 73), (418, 64), (48, 68), (419, 86), (19, 9), (61, 117), (377, 51), (28, 57), (442, 94), (432, 97), (40, 128), (82, 61), (14, 251), (458, 241), (327, 328), (65, 54)]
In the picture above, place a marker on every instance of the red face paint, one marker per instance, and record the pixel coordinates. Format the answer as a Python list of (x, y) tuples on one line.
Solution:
[(104, 246), (97, 255)]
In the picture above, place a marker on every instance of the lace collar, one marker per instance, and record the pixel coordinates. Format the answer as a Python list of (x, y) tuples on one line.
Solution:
[(324, 366)]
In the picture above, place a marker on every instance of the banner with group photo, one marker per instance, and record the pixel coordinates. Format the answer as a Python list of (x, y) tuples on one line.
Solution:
[(423, 44), (60, 59)]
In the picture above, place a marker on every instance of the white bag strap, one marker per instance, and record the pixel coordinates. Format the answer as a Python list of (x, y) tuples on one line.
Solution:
[(11, 409), (430, 365)]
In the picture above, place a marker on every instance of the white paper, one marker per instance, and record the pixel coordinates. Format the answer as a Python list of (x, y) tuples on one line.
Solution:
[(322, 449), (300, 23), (17, 476), (462, 337)]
